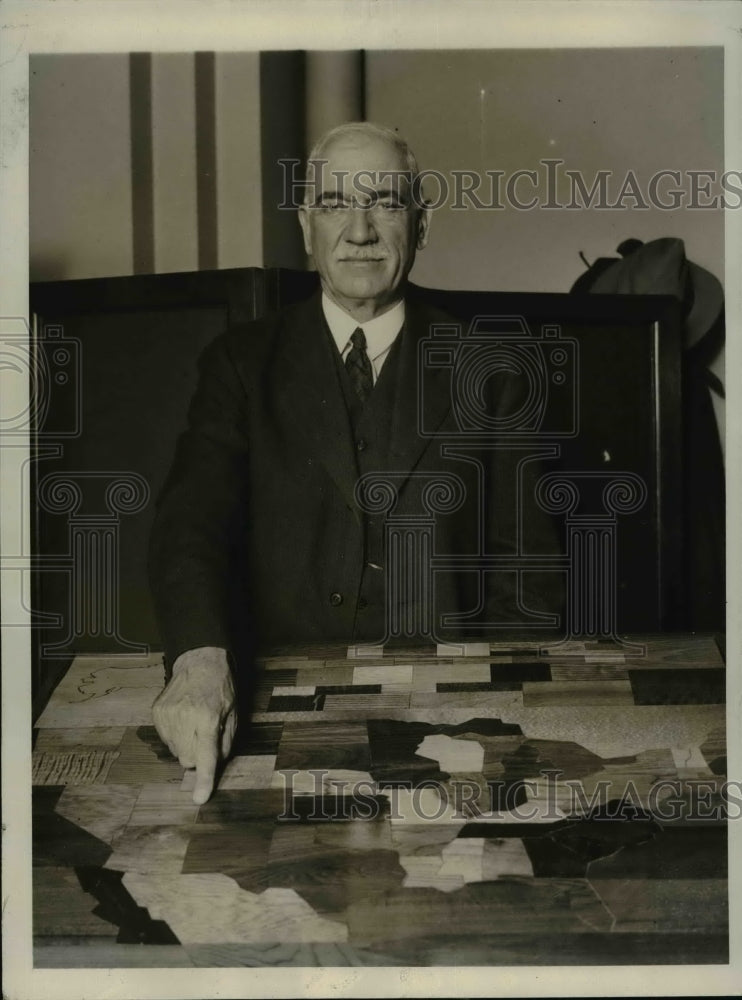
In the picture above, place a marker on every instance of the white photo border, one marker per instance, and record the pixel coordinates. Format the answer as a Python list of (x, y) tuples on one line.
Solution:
[(76, 26)]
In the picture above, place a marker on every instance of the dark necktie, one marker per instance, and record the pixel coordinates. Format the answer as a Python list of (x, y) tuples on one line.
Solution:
[(358, 366)]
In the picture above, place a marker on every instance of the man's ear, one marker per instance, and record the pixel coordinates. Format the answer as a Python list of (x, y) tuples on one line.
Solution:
[(305, 228), (423, 227)]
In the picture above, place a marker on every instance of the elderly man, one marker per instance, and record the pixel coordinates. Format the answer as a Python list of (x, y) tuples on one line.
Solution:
[(259, 536)]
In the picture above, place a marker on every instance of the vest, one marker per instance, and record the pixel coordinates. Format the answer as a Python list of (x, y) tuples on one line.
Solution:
[(371, 423)]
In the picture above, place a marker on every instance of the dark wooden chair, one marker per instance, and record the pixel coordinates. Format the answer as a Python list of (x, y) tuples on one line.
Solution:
[(127, 347)]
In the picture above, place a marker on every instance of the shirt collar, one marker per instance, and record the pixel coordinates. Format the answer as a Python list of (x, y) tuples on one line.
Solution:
[(381, 332)]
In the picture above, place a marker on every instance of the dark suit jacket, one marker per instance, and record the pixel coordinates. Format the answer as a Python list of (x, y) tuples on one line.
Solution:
[(259, 534)]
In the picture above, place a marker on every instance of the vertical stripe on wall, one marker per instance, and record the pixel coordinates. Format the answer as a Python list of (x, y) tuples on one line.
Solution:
[(142, 200), (206, 180), (174, 162), (362, 84), (334, 91), (239, 208), (283, 133)]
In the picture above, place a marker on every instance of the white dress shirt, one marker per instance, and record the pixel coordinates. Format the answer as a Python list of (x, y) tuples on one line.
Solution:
[(381, 332)]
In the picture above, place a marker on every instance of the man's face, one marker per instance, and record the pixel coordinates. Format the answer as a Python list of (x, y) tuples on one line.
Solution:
[(361, 225)]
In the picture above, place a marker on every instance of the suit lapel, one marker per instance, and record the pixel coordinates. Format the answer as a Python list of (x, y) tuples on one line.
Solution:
[(310, 393), (422, 398)]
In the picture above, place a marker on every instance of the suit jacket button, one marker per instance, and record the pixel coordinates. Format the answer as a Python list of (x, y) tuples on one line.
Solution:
[(362, 603), (336, 599)]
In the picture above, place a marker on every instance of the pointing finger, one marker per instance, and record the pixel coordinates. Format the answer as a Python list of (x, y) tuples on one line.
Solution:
[(207, 752)]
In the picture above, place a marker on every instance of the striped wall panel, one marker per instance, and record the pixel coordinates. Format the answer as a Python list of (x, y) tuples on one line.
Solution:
[(174, 175), (159, 162)]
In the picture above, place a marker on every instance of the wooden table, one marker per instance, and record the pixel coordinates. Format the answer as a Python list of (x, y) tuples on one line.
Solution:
[(399, 809)]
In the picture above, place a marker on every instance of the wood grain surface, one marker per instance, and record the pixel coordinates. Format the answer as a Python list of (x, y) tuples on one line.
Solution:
[(390, 807)]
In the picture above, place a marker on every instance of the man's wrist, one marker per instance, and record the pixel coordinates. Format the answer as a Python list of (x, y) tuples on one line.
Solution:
[(201, 657)]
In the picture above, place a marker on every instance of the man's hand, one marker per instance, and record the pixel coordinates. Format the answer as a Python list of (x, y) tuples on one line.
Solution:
[(196, 715)]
